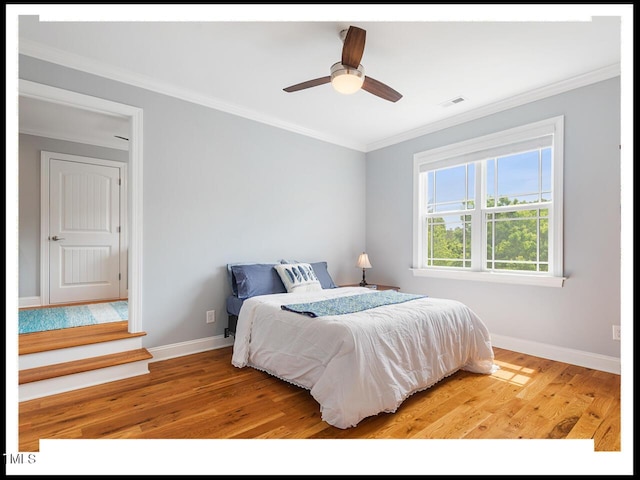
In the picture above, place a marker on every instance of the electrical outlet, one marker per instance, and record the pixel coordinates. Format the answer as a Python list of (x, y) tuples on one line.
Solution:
[(211, 316), (616, 332)]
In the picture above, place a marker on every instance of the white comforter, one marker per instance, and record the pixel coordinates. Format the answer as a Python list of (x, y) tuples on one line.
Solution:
[(364, 363)]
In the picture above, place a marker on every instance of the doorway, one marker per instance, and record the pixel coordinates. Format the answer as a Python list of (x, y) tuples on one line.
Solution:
[(134, 173), (83, 229)]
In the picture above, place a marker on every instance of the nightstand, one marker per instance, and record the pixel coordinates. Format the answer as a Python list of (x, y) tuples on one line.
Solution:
[(374, 286)]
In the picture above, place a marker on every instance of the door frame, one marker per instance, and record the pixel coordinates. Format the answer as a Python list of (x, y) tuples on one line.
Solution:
[(45, 264), (134, 167)]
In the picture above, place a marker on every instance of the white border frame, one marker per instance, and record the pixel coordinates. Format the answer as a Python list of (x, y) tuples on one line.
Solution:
[(135, 183), (45, 266)]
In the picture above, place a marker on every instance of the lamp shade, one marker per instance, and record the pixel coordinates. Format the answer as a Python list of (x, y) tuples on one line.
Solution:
[(363, 261), (345, 79)]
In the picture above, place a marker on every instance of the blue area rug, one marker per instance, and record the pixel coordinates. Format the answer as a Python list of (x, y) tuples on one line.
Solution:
[(55, 318)]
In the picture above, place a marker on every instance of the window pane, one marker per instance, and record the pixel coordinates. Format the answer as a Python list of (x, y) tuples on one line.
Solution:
[(544, 238), (449, 241), (450, 189), (430, 190), (546, 174), (471, 184), (451, 185), (518, 240), (491, 182), (518, 174)]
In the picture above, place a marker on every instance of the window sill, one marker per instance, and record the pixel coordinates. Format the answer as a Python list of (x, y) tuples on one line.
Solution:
[(513, 279)]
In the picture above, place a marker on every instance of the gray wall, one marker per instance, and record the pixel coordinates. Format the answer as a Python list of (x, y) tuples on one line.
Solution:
[(219, 188), (581, 314), (29, 148)]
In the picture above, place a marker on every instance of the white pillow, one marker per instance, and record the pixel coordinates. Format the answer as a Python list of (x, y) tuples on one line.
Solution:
[(298, 277)]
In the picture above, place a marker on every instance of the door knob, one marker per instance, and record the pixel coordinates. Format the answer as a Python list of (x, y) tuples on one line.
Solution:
[(55, 238)]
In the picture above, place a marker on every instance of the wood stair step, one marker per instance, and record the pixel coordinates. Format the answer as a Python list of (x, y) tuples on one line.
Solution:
[(73, 337), (84, 365)]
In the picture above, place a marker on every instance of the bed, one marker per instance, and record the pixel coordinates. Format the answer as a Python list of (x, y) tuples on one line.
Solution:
[(359, 352)]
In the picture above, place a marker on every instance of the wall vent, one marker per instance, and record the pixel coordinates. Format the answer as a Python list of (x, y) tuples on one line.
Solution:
[(453, 101)]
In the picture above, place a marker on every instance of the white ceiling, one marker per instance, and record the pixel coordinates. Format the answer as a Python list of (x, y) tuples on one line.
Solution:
[(53, 120), (242, 67)]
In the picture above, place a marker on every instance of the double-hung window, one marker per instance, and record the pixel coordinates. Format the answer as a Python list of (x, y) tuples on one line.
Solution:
[(490, 208)]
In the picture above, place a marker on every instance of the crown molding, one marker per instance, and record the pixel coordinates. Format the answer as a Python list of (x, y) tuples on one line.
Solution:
[(87, 65), (527, 97)]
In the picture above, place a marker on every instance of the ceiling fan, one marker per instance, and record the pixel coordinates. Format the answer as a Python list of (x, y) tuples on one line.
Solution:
[(347, 76)]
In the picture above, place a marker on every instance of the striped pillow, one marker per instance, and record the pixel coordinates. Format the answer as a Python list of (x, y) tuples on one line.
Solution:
[(298, 277)]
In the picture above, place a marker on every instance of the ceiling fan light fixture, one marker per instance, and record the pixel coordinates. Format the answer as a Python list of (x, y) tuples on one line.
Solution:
[(345, 79), (347, 75)]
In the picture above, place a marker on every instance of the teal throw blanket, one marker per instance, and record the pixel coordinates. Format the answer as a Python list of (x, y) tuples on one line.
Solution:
[(350, 304)]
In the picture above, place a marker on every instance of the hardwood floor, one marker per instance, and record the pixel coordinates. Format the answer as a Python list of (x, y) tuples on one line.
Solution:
[(72, 337), (203, 396)]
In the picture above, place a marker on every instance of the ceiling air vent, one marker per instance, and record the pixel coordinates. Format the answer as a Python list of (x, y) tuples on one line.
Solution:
[(453, 101)]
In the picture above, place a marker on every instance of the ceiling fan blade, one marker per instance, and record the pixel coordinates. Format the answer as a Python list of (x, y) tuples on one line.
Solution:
[(353, 47), (308, 84), (381, 90)]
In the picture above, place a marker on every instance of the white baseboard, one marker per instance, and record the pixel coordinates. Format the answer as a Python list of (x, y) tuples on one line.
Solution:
[(559, 354), (29, 302), (552, 352), (166, 352)]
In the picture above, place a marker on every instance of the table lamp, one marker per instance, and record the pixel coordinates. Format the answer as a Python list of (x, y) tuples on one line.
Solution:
[(363, 263)]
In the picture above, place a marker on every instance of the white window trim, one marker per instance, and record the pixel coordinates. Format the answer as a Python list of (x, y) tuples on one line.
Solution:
[(443, 156), (495, 277)]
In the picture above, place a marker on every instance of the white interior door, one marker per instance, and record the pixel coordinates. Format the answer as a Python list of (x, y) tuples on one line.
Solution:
[(84, 231)]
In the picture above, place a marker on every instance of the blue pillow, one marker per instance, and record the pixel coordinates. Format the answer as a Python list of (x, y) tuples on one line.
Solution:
[(320, 269), (256, 279), (231, 278)]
